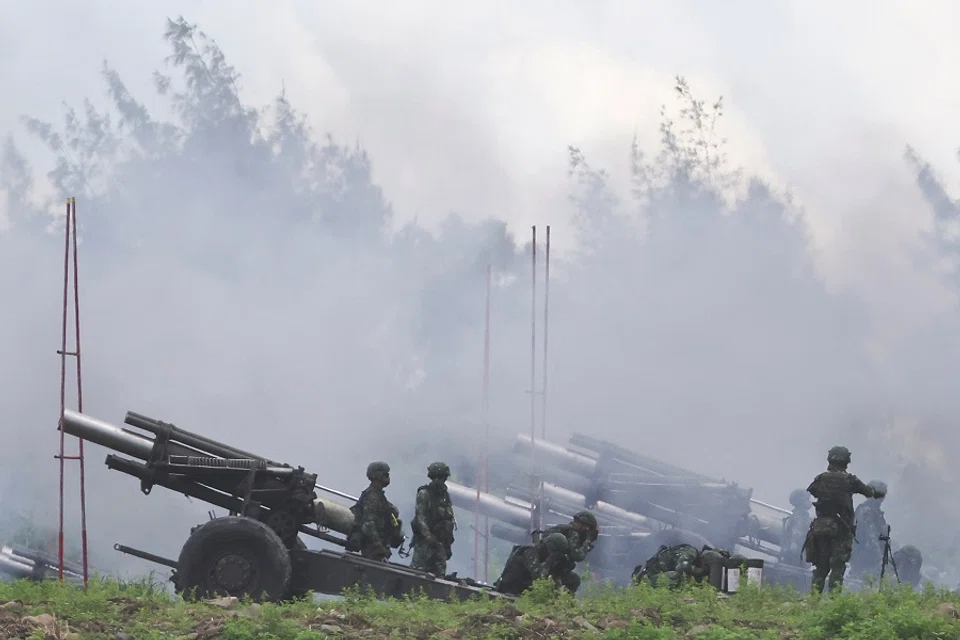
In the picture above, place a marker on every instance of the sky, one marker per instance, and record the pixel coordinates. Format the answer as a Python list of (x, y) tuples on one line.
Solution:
[(470, 108), (811, 90)]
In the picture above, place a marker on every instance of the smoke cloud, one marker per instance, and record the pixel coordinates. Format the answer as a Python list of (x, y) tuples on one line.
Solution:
[(738, 290)]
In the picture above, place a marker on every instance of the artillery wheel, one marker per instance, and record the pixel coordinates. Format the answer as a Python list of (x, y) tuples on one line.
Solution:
[(234, 556)]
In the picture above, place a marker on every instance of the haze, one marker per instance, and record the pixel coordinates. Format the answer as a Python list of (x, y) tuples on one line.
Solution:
[(290, 301)]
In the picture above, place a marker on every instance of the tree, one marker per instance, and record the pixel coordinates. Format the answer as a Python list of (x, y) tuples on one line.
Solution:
[(703, 301)]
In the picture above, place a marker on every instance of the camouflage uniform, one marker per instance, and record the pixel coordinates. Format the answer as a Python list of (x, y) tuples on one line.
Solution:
[(433, 524), (580, 533), (376, 525), (795, 527), (674, 564), (867, 553), (529, 563), (909, 560), (830, 538)]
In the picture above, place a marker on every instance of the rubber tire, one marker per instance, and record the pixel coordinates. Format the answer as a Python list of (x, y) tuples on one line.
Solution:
[(257, 542)]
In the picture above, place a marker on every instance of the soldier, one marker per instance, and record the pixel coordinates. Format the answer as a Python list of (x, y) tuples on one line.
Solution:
[(795, 527), (376, 525), (529, 563), (433, 524), (680, 563), (830, 538), (867, 553), (909, 560), (672, 562), (581, 533)]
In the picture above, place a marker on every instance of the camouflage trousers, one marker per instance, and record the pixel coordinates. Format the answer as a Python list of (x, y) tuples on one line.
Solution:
[(375, 553), (829, 553), (430, 558), (669, 579), (570, 580)]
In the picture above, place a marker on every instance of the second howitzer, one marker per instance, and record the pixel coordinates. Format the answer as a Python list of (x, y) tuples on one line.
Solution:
[(20, 562), (256, 551)]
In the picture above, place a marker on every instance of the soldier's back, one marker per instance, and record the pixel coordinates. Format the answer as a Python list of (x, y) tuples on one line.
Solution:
[(834, 493)]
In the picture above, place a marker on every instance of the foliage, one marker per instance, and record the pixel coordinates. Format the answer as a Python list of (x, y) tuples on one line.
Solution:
[(143, 610)]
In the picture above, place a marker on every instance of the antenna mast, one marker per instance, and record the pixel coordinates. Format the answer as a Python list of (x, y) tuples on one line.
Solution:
[(483, 481), (70, 241)]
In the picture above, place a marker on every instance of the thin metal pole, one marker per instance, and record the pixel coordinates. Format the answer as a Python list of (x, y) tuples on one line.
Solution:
[(70, 233), (486, 424), (76, 318), (546, 309), (533, 374), (63, 379)]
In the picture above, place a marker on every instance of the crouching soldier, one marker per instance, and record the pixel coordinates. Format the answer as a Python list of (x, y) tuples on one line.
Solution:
[(528, 563), (908, 561), (433, 524), (376, 523), (678, 564), (581, 534)]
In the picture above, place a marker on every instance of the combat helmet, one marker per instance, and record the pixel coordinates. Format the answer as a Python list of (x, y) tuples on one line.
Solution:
[(838, 455), (911, 553), (800, 498), (556, 543), (438, 470), (880, 486), (585, 517), (378, 470)]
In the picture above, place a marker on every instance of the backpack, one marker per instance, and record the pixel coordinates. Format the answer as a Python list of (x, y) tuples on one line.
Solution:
[(355, 537)]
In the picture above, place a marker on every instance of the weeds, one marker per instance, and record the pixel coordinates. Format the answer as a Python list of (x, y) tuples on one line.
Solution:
[(144, 610)]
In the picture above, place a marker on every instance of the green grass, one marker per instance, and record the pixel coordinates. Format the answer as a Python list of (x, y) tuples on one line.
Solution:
[(145, 611)]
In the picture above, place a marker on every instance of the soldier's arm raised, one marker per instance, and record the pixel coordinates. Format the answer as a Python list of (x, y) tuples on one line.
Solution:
[(577, 551), (859, 486)]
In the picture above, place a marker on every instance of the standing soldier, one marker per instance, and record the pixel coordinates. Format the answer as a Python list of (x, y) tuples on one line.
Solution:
[(867, 553), (433, 524), (795, 527), (581, 533), (376, 525), (830, 539)]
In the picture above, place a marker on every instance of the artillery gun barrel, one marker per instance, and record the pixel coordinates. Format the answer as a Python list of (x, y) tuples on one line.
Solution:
[(604, 511), (337, 517), (198, 442), (204, 444), (23, 563), (657, 467), (489, 505), (557, 455), (38, 556), (509, 533), (13, 567)]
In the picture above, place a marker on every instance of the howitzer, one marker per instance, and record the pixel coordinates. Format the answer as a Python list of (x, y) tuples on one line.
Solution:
[(659, 491), (622, 536), (22, 563), (256, 551)]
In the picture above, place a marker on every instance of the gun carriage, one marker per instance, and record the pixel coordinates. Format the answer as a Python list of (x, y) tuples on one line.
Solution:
[(257, 549)]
